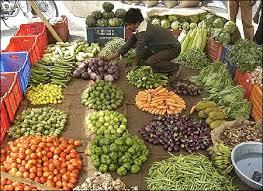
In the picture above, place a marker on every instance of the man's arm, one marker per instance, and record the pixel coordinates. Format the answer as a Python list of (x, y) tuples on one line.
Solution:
[(125, 48), (142, 46)]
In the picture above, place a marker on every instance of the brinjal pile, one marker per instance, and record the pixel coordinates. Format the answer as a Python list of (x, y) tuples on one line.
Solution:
[(185, 88), (177, 131), (97, 69)]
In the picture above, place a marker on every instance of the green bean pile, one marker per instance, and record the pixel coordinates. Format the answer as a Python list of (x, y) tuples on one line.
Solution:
[(189, 172)]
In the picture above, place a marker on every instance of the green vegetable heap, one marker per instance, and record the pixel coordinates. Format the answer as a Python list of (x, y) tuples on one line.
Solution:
[(59, 60), (102, 95), (217, 81), (144, 77), (112, 46), (38, 121), (232, 101), (193, 58), (221, 157), (115, 153), (189, 172), (106, 122), (214, 77), (246, 55)]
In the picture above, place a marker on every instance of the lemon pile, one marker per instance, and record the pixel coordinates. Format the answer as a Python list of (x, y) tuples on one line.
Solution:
[(45, 94)]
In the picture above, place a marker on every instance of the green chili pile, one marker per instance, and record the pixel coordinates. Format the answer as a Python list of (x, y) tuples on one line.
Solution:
[(187, 172)]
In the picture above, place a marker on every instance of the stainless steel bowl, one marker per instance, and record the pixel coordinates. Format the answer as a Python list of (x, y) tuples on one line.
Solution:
[(247, 160)]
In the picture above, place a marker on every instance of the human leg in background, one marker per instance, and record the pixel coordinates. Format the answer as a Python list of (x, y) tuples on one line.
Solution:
[(259, 33), (246, 16), (162, 61), (233, 6)]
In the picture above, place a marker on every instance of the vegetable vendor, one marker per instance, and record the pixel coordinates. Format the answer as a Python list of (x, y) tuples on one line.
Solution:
[(155, 46)]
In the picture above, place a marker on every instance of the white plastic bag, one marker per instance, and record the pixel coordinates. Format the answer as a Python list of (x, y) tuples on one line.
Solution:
[(170, 3), (149, 4)]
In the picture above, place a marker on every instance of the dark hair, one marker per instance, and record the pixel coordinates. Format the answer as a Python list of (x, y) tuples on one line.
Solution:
[(133, 16)]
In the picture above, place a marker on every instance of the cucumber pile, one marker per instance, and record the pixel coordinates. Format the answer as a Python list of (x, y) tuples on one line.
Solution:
[(102, 95), (38, 121), (56, 72), (106, 122)]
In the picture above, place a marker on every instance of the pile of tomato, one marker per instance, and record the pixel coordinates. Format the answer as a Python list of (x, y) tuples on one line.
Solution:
[(48, 160)]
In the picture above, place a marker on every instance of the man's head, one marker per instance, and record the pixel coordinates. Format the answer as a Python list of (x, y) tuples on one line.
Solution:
[(133, 18)]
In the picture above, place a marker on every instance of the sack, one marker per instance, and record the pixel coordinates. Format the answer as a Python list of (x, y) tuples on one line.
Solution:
[(149, 4), (170, 3), (186, 3), (215, 133)]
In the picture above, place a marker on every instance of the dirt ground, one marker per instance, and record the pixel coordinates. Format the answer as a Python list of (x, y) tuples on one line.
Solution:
[(76, 129)]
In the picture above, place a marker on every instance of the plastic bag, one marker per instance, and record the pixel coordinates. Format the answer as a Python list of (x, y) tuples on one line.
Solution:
[(170, 3), (150, 3), (192, 3), (135, 2)]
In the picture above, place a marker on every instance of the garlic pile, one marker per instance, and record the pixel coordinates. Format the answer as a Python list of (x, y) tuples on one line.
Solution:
[(101, 181), (256, 76)]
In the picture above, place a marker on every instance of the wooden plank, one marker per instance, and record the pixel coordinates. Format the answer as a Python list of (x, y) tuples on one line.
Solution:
[(42, 17), (25, 181)]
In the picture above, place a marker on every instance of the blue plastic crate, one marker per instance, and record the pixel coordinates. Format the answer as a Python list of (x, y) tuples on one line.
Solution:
[(225, 59), (17, 62), (103, 34)]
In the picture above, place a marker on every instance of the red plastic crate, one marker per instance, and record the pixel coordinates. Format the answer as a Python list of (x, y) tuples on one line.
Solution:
[(61, 29), (243, 79), (11, 93), (214, 49), (36, 28), (25, 43), (5, 122), (256, 100)]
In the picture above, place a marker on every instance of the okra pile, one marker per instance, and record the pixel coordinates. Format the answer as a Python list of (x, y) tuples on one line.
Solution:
[(187, 172)]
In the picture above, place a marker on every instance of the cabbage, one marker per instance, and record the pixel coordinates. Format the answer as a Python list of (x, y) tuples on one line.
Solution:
[(219, 23), (230, 27), (215, 32), (172, 18), (224, 38), (156, 21), (165, 24), (194, 18), (175, 25), (186, 26), (209, 19), (193, 25)]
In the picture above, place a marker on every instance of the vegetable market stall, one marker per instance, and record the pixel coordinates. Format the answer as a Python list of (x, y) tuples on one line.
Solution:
[(75, 127)]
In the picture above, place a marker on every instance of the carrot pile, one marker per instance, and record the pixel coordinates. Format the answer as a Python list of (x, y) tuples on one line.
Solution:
[(159, 101)]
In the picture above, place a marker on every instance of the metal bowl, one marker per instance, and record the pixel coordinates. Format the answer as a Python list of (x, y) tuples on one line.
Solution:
[(247, 160)]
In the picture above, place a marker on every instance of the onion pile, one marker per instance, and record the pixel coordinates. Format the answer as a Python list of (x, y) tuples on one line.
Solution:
[(48, 160), (97, 69), (176, 131)]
